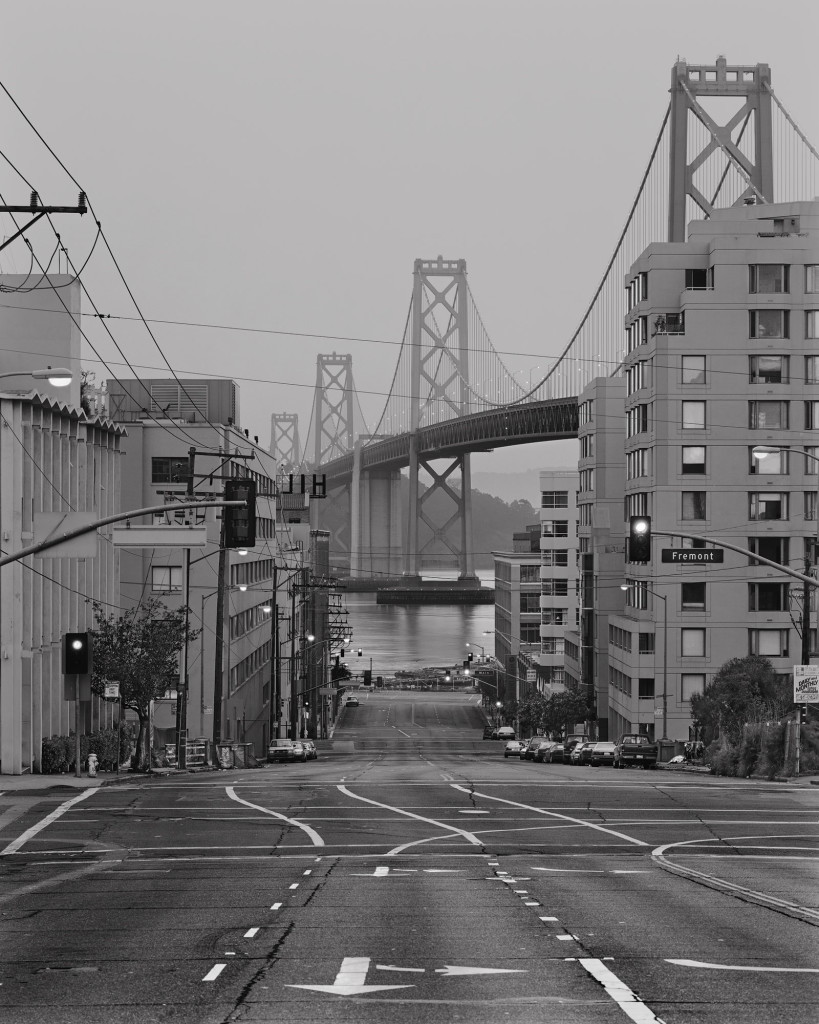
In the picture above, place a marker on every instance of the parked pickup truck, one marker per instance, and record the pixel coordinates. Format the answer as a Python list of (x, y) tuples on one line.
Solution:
[(635, 749)]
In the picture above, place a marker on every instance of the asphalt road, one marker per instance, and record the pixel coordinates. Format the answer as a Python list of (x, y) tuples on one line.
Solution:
[(412, 874)]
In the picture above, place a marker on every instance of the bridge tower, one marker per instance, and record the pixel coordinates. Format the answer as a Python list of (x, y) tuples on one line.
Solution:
[(690, 84), (439, 386), (284, 440), (333, 428)]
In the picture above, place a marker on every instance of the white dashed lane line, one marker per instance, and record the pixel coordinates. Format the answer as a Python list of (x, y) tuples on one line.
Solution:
[(251, 933), (214, 972)]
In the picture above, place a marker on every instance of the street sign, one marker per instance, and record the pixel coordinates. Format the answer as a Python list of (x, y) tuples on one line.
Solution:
[(531, 675), (112, 691), (689, 556), (806, 684)]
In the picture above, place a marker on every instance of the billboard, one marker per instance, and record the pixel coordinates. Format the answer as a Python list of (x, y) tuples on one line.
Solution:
[(806, 684)]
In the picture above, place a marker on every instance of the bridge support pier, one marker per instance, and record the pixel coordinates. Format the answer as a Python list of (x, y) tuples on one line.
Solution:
[(375, 521)]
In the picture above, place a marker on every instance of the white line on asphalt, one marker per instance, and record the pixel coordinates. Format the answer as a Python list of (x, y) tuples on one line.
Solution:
[(551, 814), (295, 885), (739, 967), (58, 812), (214, 972), (250, 933), (620, 993), (469, 836), (548, 919), (309, 871), (566, 938), (316, 838), (276, 906)]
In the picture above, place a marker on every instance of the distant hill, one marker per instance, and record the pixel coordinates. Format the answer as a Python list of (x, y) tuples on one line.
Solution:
[(520, 486)]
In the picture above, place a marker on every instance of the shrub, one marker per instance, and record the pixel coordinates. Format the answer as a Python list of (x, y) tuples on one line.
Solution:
[(749, 751), (52, 758), (722, 756)]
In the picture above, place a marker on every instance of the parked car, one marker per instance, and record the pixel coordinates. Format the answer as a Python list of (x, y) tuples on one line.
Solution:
[(352, 702), (506, 732), (513, 748), (554, 753), (569, 743), (488, 732), (311, 749), (284, 750), (635, 749), (532, 747), (602, 753), (581, 753), (543, 751)]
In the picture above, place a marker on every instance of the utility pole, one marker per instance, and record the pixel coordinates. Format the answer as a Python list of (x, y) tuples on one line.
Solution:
[(182, 688)]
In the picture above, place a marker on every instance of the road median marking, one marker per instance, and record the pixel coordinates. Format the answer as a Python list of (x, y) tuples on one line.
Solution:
[(311, 832), (619, 992), (58, 812), (741, 967)]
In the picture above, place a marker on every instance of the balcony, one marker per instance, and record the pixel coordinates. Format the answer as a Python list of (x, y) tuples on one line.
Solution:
[(669, 323)]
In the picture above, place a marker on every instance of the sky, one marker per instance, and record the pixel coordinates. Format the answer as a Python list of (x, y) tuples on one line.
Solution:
[(274, 168)]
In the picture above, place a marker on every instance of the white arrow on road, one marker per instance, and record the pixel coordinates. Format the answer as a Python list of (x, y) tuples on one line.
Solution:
[(383, 871), (449, 971), (351, 980)]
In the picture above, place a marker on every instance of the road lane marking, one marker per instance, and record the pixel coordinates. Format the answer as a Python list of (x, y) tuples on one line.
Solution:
[(309, 871), (58, 812), (740, 967), (214, 972), (251, 933), (551, 814), (351, 980), (276, 906), (619, 992), (566, 938), (548, 919), (295, 885), (314, 836), (451, 971), (403, 970), (469, 836)]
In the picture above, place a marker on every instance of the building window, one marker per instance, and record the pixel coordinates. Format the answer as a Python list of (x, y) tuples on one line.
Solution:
[(169, 470), (554, 557), (637, 420), (811, 456), (587, 479), (768, 415), (699, 280), (768, 278), (693, 415), (692, 643), (530, 633), (767, 597), (773, 464), (529, 602), (812, 278), (693, 596), (637, 504), (812, 323), (637, 377), (767, 505), (770, 643), (669, 323), (693, 505), (769, 323), (693, 369), (586, 446), (638, 463), (554, 499), (585, 412), (554, 588), (552, 645), (530, 574), (554, 616), (810, 506), (554, 528), (646, 643), (167, 578), (769, 369), (812, 369), (811, 415), (776, 549), (693, 459), (645, 688), (691, 683), (637, 594)]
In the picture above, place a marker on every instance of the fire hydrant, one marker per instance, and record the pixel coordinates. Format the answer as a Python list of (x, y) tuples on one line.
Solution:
[(92, 765)]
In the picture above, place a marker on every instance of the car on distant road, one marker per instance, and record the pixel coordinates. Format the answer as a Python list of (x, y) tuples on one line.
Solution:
[(284, 751), (506, 732), (352, 702), (602, 753), (513, 748), (532, 747), (581, 753)]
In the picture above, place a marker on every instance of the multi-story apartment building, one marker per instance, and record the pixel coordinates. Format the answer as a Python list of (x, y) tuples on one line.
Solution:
[(721, 338), (57, 465), (250, 667), (535, 592)]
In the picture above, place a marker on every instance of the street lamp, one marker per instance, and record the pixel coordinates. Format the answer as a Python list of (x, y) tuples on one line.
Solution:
[(664, 599), (760, 452), (57, 376), (483, 649)]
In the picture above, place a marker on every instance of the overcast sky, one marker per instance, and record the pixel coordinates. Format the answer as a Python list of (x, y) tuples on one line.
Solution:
[(280, 165)]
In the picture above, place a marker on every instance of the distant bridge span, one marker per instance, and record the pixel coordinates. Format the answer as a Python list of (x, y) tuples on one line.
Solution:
[(551, 420)]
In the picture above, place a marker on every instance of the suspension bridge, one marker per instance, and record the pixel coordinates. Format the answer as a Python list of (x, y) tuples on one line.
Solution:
[(725, 140)]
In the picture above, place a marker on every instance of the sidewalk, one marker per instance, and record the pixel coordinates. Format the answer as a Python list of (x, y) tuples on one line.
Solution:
[(38, 783)]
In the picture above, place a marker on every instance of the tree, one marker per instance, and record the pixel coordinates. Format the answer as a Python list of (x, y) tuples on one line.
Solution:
[(140, 650), (743, 690), (532, 711), (563, 710)]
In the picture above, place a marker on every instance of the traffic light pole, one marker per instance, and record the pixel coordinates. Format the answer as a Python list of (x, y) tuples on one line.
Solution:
[(77, 747)]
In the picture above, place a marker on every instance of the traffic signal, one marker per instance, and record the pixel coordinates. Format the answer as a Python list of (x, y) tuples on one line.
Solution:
[(76, 654), (368, 677), (470, 656), (240, 521), (305, 701), (639, 539), (360, 652)]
